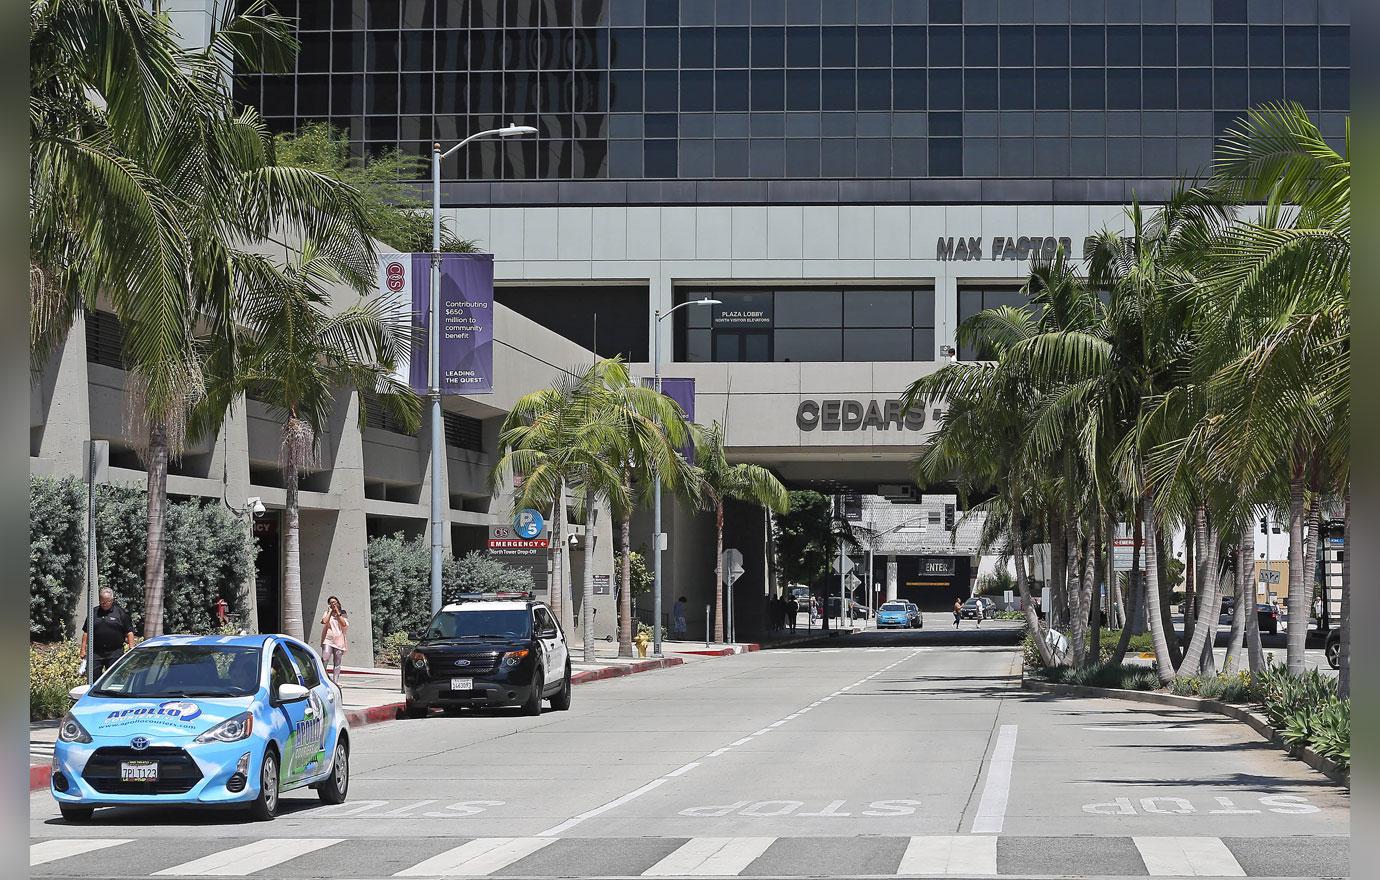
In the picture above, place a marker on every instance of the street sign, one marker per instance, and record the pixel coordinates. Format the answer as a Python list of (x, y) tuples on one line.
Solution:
[(601, 584), (853, 580), (851, 507), (1008, 598), (847, 565), (528, 523), (733, 565), (1270, 576)]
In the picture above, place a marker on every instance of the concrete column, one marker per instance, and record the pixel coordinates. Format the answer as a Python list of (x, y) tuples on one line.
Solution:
[(64, 390), (891, 578), (334, 541)]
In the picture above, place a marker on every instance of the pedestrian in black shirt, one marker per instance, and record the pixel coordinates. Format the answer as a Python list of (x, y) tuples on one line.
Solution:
[(113, 633)]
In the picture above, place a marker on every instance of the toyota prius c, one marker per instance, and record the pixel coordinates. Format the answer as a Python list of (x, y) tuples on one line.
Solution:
[(203, 721)]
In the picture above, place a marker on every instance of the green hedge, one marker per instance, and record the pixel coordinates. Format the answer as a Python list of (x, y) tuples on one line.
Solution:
[(53, 671), (210, 556), (400, 581)]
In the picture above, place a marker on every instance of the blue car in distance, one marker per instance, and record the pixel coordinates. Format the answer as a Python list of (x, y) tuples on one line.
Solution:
[(895, 614), (207, 721)]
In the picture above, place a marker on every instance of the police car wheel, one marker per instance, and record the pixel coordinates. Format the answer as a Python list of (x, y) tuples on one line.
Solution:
[(414, 711), (76, 814), (333, 788), (265, 806), (561, 701), (533, 704)]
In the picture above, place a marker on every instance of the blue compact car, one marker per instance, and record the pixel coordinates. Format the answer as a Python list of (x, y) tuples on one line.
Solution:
[(205, 721), (895, 614)]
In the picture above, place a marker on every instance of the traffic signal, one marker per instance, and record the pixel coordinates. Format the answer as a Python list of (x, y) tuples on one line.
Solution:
[(1264, 525), (948, 517)]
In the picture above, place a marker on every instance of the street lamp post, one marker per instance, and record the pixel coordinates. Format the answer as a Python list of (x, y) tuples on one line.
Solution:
[(439, 502), (656, 478)]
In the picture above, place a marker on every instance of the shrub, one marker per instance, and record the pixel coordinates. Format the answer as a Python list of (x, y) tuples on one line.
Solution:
[(1138, 678), (1010, 615), (388, 650), (53, 671), (1185, 686), (210, 556)]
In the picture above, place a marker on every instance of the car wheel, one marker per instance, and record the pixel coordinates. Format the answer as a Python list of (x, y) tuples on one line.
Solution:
[(561, 701), (265, 806), (75, 814), (1334, 654), (412, 710), (533, 704), (333, 788)]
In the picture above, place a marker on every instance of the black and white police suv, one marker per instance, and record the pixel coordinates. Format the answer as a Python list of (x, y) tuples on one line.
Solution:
[(488, 651)]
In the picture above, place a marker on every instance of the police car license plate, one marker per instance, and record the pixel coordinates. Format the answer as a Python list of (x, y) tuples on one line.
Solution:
[(462, 684), (138, 771)]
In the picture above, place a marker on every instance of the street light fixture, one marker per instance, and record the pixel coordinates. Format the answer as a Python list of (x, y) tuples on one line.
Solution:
[(657, 537), (439, 494)]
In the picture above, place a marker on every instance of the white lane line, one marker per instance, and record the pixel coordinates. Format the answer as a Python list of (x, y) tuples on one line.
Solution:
[(681, 771), (242, 861), (711, 857), (717, 752), (739, 742), (590, 814), (991, 814), (52, 850), (778, 723), (1187, 857), (949, 855), (477, 858), (760, 732)]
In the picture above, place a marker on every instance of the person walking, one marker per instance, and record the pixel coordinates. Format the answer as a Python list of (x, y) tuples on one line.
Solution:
[(335, 624), (113, 633), (958, 612), (792, 610), (678, 619)]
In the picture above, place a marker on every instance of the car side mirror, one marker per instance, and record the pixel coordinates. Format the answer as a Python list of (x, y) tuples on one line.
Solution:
[(79, 691), (415, 635), (291, 693), (548, 633)]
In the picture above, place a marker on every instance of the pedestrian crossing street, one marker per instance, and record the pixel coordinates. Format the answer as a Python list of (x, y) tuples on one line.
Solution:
[(972, 855)]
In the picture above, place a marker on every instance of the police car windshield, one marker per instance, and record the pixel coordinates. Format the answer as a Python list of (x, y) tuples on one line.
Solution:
[(505, 623), (184, 671)]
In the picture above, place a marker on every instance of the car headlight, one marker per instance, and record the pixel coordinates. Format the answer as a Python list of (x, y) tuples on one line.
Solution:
[(418, 660), (513, 658), (71, 731), (230, 730)]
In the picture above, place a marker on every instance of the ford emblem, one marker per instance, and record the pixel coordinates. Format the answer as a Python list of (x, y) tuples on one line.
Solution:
[(462, 662), (139, 743)]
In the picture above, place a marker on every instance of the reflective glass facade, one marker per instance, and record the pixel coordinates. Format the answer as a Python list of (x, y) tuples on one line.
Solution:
[(800, 89)]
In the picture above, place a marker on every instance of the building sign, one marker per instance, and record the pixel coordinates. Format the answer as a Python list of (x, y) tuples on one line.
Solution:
[(601, 584), (938, 565), (528, 523), (467, 319), (505, 541), (747, 314), (958, 248), (855, 415)]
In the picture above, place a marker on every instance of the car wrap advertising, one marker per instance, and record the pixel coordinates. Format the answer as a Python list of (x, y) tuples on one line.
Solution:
[(178, 717), (306, 743)]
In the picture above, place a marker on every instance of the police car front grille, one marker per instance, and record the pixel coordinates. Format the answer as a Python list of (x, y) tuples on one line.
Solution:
[(177, 772), (447, 665)]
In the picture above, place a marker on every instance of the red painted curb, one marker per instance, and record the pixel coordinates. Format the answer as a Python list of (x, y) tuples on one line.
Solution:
[(39, 776)]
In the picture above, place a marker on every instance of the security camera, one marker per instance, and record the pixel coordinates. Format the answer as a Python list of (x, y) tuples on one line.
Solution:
[(255, 505)]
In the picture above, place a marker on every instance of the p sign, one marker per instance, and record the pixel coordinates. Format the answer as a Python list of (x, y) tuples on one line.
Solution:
[(528, 523)]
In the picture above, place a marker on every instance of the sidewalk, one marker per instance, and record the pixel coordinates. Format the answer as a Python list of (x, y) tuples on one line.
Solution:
[(374, 695)]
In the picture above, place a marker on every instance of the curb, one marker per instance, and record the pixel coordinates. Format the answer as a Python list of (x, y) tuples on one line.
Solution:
[(728, 651), (39, 776), (1254, 720)]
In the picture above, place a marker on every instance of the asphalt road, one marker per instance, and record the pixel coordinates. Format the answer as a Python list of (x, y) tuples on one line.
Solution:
[(881, 754)]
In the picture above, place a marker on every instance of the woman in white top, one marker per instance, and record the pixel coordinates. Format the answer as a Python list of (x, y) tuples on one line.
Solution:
[(335, 623)]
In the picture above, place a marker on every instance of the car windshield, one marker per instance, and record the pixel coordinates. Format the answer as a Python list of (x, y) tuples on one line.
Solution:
[(891, 606), (506, 623), (183, 671)]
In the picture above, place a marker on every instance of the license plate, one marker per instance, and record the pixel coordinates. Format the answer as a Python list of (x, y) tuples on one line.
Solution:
[(138, 771), (462, 684)]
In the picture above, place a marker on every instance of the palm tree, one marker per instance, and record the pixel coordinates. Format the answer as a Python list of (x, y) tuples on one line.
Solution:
[(721, 481), (301, 350)]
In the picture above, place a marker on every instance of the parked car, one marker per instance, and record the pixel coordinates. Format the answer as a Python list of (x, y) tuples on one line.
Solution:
[(1332, 647), (1268, 616), (203, 721), (917, 619), (978, 608), (894, 615), (488, 653), (856, 610)]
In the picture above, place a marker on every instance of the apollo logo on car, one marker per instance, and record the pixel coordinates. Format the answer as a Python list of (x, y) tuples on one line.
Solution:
[(172, 710)]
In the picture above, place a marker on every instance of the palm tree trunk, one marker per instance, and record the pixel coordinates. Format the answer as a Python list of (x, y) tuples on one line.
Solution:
[(1176, 653), (1255, 654), (1298, 602), (155, 540), (1078, 608), (1095, 640), (625, 624), (1238, 617), (719, 572), (1134, 590), (292, 553), (1152, 596), (587, 603), (1344, 670), (1191, 556), (1058, 565), (1023, 585), (1205, 627)]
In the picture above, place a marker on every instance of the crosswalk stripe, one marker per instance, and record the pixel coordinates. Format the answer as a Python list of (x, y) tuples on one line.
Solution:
[(1187, 857), (939, 854), (241, 861), (711, 857), (52, 850), (477, 858)]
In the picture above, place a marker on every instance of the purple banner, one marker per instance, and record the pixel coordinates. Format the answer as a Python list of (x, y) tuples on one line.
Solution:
[(682, 391), (467, 323)]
